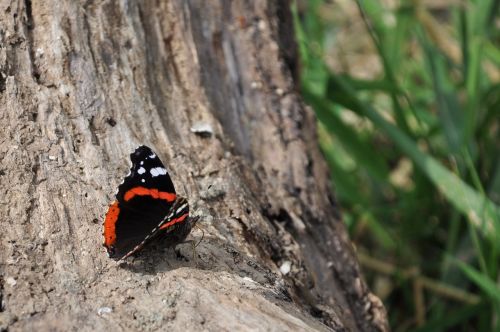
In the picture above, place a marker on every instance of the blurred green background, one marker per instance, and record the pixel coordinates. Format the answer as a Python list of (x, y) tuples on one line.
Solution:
[(407, 94)]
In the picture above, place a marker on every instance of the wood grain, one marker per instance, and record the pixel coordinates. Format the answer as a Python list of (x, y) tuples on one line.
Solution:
[(82, 83)]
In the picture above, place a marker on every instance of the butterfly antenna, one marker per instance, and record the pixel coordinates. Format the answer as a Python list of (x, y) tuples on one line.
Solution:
[(202, 235)]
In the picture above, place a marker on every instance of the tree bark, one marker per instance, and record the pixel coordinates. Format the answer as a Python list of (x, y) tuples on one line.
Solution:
[(82, 84)]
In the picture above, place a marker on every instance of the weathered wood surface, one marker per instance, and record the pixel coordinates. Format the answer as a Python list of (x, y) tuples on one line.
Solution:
[(82, 83)]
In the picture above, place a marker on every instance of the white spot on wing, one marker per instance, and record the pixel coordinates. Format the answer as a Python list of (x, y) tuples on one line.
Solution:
[(142, 180), (141, 170), (142, 162), (152, 156), (157, 171)]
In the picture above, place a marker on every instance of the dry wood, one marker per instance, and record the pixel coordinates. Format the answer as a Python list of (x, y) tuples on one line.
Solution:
[(82, 83)]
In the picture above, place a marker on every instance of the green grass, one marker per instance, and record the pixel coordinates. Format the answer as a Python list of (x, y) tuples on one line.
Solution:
[(414, 153)]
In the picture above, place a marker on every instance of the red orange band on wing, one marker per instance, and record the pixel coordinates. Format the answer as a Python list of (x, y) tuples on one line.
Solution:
[(155, 193), (174, 221), (110, 223)]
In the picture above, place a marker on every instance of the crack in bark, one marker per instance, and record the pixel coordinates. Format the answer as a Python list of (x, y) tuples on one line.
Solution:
[(32, 190), (93, 132), (88, 32), (3, 79), (2, 303), (30, 26)]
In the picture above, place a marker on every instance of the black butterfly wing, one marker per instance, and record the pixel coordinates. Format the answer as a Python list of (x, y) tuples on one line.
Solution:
[(144, 201), (147, 172)]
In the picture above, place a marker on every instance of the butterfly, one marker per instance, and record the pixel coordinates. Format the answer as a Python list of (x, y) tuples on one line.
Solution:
[(146, 207)]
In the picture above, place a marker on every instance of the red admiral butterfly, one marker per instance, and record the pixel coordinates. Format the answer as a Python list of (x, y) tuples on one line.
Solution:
[(146, 207)]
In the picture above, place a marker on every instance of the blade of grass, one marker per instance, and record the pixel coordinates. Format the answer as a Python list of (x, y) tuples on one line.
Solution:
[(492, 253), (376, 32), (371, 85), (379, 231), (475, 24), (473, 73), (482, 281), (345, 185), (447, 102), (451, 242)]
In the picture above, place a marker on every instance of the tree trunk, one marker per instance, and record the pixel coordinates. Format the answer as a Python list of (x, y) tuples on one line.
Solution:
[(82, 84)]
